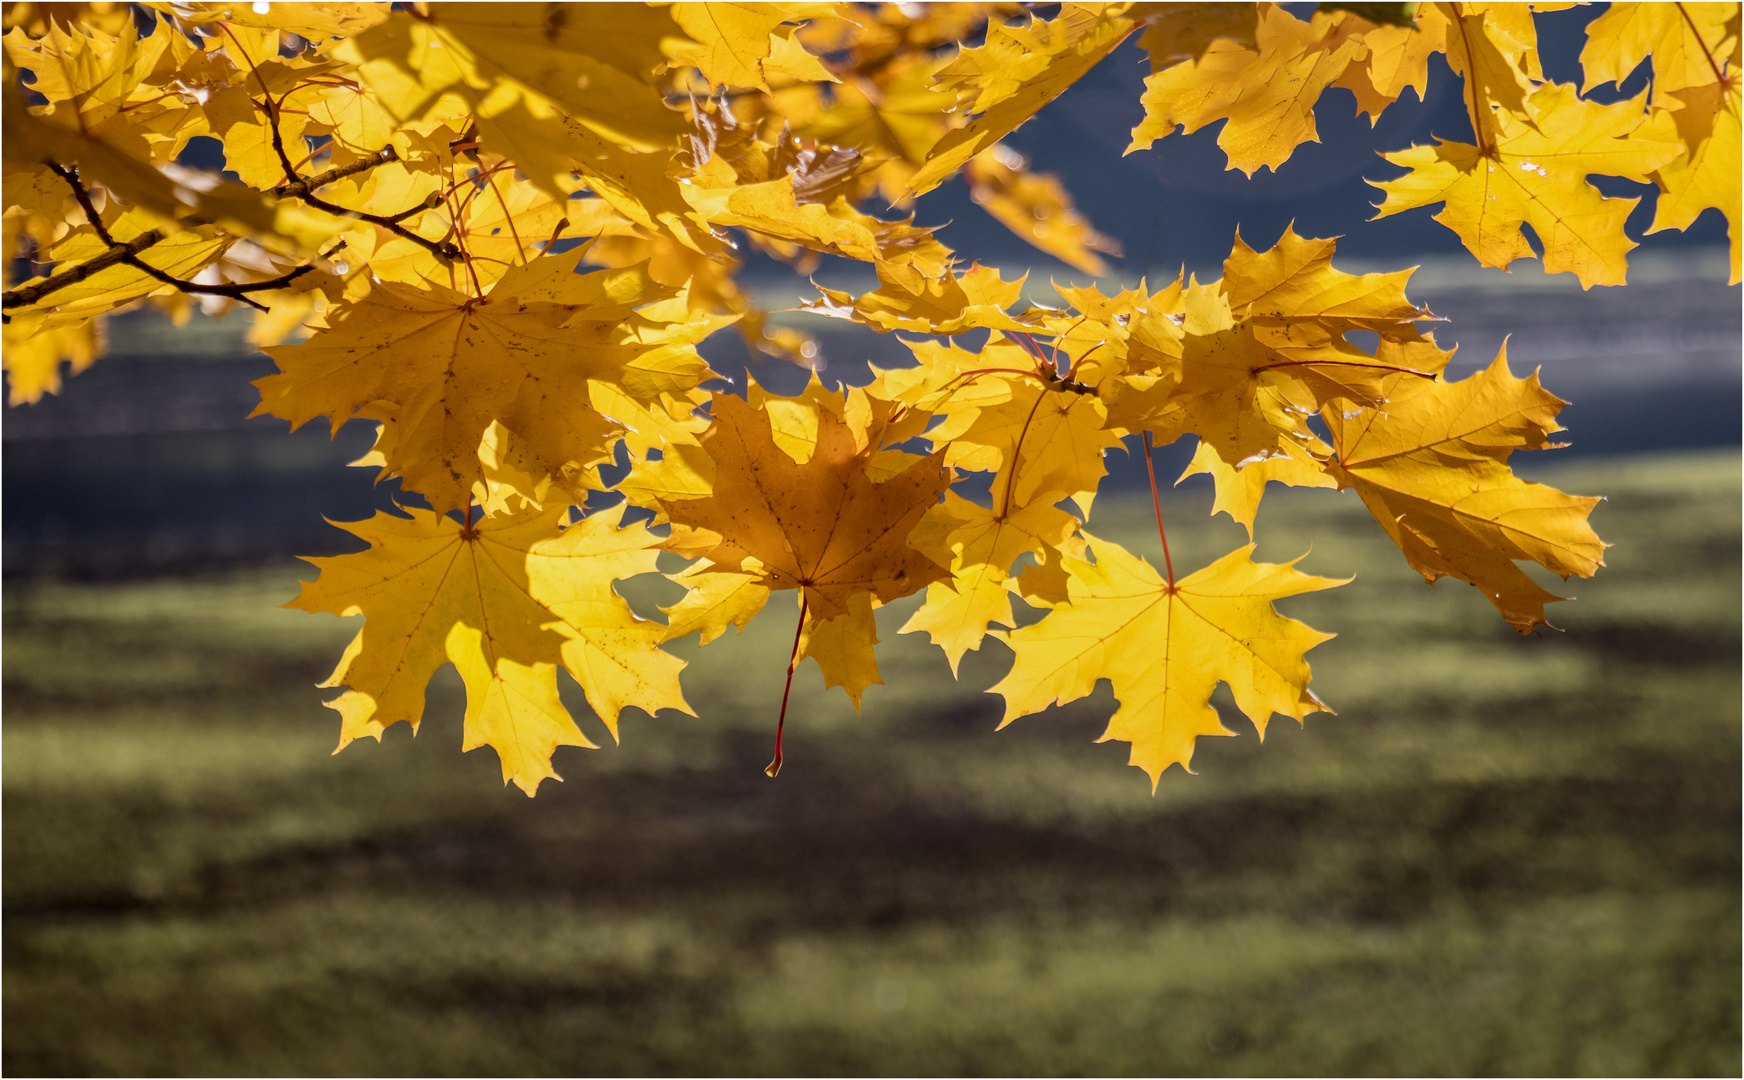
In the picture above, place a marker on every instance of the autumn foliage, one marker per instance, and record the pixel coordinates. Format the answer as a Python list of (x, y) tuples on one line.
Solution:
[(407, 188)]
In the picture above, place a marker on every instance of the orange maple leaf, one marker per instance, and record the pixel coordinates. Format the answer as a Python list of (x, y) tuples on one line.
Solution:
[(821, 526)]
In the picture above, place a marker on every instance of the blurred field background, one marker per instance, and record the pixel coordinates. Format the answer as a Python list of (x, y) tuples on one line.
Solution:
[(1504, 855)]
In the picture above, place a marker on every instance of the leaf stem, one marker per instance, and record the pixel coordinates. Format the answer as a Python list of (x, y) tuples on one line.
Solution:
[(1047, 371), (1708, 53), (774, 767), (1073, 370), (1028, 345), (457, 230), (1017, 455), (1157, 505), (1346, 363), (1471, 85), (514, 233)]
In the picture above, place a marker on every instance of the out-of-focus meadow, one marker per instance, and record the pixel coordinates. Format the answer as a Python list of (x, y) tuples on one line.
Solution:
[(1503, 855)]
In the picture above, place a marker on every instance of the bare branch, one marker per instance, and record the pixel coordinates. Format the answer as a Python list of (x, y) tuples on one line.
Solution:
[(320, 180), (128, 255), (26, 295)]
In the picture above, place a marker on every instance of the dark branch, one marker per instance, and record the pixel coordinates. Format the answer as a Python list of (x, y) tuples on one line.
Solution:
[(272, 116), (442, 249), (128, 255), (320, 180), (431, 202), (304, 190), (26, 295)]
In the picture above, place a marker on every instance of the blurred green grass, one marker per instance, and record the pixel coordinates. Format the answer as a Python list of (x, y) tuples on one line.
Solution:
[(1504, 855)]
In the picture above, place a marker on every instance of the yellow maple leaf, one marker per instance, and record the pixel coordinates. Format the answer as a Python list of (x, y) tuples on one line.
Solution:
[(234, 117), (1432, 466), (1493, 48), (498, 221), (1175, 33), (1018, 70), (980, 544), (1300, 307), (951, 304), (356, 120), (1134, 331), (715, 599), (551, 148), (507, 601), (35, 17), (902, 251), (120, 149), (823, 526), (733, 40), (437, 367), (1047, 443), (1267, 92), (1689, 44), (594, 61), (1535, 173), (1165, 648), (1396, 58), (843, 647), (181, 254), (612, 652), (33, 354), (1238, 491), (890, 113), (314, 22), (1037, 208), (1707, 122), (39, 205), (97, 83), (1228, 387), (1295, 282)]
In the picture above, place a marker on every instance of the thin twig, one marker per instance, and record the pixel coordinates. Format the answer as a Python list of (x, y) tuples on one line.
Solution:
[(299, 188), (26, 295), (1017, 456), (431, 202), (1157, 504), (271, 109), (442, 249), (1719, 76), (123, 254)]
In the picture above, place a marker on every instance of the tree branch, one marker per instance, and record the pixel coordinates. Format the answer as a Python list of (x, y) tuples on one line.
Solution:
[(296, 187), (128, 255), (304, 189), (320, 180), (431, 202), (444, 251), (26, 295)]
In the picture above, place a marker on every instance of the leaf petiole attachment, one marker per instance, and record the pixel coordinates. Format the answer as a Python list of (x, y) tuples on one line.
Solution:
[(773, 769), (1157, 505)]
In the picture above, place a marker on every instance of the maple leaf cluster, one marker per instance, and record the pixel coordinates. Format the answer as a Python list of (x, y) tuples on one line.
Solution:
[(501, 232)]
